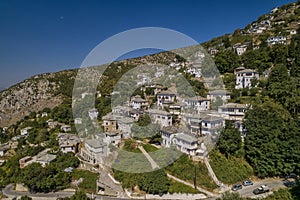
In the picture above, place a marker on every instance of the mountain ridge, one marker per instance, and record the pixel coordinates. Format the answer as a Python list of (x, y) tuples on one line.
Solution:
[(50, 89)]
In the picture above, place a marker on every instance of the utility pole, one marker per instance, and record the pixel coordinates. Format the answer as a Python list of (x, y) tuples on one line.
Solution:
[(195, 184)]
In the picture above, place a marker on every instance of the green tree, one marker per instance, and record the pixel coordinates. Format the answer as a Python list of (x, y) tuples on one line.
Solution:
[(294, 49), (279, 53), (103, 106), (271, 142), (279, 74), (295, 191), (226, 61), (144, 120), (257, 59), (155, 182), (65, 160), (284, 89), (230, 140), (44, 179)]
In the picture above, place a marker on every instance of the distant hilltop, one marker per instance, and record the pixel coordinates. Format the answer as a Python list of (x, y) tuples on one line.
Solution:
[(51, 89)]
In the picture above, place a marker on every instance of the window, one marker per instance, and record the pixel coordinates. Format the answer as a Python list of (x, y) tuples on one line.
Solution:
[(230, 110)]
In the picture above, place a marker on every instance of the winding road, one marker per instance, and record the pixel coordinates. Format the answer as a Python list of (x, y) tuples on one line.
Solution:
[(246, 191), (10, 192), (274, 184)]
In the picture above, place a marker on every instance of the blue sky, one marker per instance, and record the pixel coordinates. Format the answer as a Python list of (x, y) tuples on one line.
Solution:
[(40, 36)]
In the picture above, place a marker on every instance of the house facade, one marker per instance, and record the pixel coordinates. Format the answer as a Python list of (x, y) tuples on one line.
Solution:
[(51, 123), (135, 114), (65, 128), (137, 102), (124, 125), (3, 149), (176, 108), (185, 143), (245, 77), (121, 110), (212, 51), (78, 120), (161, 117), (233, 111), (167, 134), (222, 94), (94, 151), (276, 40), (113, 138), (165, 97), (193, 123), (211, 125), (240, 50), (68, 142), (44, 114), (109, 122), (201, 125), (25, 131), (198, 103)]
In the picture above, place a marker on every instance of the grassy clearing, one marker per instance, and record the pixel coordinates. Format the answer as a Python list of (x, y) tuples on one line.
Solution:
[(89, 183), (231, 170), (131, 159), (149, 148), (131, 146), (177, 187), (184, 168)]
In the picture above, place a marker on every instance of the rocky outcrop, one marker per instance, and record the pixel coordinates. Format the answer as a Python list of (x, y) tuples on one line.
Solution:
[(33, 94)]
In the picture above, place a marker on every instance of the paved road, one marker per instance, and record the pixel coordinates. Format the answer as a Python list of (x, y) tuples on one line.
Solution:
[(247, 191), (10, 192)]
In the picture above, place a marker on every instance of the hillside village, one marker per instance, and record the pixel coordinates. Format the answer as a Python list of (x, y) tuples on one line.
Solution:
[(184, 123), (166, 116)]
